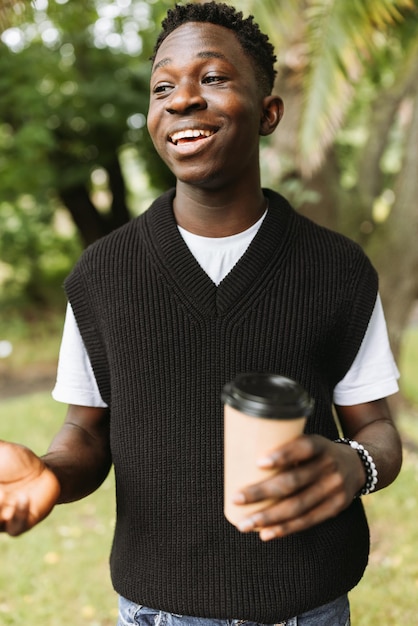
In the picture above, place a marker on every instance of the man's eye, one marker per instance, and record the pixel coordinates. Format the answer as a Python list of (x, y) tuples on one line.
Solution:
[(161, 88), (213, 79)]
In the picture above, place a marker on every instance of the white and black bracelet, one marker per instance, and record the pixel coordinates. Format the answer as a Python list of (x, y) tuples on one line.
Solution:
[(368, 463)]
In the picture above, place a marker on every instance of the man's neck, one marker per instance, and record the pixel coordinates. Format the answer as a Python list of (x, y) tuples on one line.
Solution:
[(217, 214)]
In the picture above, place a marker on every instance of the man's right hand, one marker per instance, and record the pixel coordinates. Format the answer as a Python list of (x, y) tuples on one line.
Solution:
[(29, 490)]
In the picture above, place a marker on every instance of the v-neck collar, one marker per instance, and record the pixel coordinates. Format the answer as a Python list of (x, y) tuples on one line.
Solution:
[(191, 281)]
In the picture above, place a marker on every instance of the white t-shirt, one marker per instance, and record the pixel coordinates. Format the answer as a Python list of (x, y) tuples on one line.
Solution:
[(373, 374)]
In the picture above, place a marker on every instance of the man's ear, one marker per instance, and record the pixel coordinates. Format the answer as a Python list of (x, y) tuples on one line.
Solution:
[(273, 109)]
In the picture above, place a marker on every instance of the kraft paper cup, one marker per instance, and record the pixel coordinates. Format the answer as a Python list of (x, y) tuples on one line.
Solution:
[(261, 412)]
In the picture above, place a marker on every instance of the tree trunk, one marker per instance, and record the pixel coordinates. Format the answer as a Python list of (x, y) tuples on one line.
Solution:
[(119, 211), (325, 183), (91, 223)]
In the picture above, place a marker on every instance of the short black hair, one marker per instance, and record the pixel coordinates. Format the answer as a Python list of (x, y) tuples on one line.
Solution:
[(255, 43)]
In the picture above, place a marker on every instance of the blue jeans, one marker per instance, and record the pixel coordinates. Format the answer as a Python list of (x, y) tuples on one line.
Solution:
[(336, 613)]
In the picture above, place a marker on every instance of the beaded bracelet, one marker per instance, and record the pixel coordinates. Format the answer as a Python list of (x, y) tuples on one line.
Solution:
[(368, 463)]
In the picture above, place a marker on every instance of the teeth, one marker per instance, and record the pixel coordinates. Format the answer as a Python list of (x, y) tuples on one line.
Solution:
[(190, 134)]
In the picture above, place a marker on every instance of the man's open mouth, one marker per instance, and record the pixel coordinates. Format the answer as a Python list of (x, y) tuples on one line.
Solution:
[(184, 136)]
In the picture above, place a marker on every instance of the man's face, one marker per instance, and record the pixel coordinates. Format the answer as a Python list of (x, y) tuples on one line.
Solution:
[(205, 106)]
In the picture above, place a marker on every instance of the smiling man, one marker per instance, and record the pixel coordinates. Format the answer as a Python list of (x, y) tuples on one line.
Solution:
[(218, 277)]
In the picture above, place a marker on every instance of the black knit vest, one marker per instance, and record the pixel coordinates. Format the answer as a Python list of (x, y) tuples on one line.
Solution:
[(163, 340)]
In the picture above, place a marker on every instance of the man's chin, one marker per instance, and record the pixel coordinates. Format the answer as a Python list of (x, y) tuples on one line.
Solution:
[(204, 181)]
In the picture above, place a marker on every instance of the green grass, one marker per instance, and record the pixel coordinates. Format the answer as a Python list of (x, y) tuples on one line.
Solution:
[(389, 590), (58, 572)]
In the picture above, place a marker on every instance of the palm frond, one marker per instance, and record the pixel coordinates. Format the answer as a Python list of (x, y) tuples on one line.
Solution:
[(384, 12), (276, 18), (341, 40)]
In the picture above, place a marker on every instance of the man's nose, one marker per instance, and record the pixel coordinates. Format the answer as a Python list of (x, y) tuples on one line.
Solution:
[(186, 96)]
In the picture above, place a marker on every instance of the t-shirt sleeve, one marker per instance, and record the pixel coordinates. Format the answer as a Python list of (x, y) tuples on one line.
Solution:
[(373, 374), (75, 383)]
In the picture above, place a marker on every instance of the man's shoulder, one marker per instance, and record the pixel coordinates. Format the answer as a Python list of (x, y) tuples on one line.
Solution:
[(313, 234)]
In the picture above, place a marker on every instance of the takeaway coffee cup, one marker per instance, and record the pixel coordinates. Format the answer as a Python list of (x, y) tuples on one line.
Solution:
[(261, 412)]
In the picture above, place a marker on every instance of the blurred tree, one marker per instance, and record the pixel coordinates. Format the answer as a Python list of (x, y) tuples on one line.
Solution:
[(75, 94), (346, 150), (74, 78)]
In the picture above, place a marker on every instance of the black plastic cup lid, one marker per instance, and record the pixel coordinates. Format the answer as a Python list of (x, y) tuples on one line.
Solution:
[(267, 395)]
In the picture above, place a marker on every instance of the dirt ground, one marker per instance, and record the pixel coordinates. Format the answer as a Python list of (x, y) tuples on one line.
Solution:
[(28, 380)]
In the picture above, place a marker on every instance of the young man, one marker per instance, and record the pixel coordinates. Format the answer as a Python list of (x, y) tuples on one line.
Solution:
[(218, 277)]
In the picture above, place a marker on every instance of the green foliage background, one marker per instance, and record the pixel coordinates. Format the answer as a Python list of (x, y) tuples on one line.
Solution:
[(74, 85), (70, 106)]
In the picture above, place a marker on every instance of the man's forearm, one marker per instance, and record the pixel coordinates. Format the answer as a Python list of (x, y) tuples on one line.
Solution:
[(371, 424), (79, 460)]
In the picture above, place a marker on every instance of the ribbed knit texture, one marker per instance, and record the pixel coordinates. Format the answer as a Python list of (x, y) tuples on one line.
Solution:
[(163, 340)]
